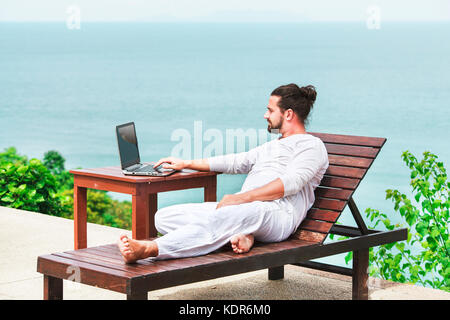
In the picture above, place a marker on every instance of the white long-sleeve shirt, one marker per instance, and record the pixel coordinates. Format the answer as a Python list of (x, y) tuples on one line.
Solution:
[(299, 160)]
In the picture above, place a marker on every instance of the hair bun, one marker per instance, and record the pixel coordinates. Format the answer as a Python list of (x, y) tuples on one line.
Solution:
[(309, 92)]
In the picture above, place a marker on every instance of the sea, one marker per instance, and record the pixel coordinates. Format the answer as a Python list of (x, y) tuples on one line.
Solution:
[(184, 84)]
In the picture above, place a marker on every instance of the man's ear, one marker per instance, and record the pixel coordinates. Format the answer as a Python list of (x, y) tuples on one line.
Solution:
[(289, 114)]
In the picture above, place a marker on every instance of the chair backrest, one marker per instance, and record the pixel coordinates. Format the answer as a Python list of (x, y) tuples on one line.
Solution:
[(350, 157)]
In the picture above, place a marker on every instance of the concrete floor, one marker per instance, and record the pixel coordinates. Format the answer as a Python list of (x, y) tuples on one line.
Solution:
[(25, 235)]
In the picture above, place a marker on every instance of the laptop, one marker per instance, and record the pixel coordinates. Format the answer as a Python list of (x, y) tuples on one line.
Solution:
[(129, 154)]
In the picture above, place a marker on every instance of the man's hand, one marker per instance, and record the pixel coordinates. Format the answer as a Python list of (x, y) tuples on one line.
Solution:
[(232, 199), (171, 163), (271, 191), (178, 164)]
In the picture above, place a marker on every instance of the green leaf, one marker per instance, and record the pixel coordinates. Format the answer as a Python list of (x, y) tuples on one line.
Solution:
[(18, 204), (436, 204), (22, 169), (39, 198), (422, 228), (31, 194), (7, 198), (400, 246), (434, 232), (40, 185), (12, 188), (35, 162), (348, 257), (417, 196), (21, 188)]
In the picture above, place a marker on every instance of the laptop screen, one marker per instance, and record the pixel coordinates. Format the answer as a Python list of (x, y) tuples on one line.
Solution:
[(128, 147)]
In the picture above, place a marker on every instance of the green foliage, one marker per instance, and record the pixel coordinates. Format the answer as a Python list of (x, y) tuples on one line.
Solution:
[(27, 185), (101, 209), (46, 187), (10, 156), (424, 257), (54, 162)]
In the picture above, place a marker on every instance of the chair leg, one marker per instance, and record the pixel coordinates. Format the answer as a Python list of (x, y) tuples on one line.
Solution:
[(53, 288), (276, 273), (360, 289), (137, 296)]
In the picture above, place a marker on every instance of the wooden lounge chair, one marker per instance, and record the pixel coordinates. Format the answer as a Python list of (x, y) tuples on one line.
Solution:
[(350, 157)]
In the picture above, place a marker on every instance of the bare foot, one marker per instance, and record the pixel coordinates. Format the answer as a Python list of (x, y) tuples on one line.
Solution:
[(133, 250), (242, 243)]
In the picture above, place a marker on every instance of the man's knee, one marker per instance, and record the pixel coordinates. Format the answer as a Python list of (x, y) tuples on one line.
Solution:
[(169, 218), (167, 211), (162, 216)]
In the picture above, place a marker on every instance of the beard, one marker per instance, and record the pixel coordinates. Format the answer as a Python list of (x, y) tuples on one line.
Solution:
[(275, 127)]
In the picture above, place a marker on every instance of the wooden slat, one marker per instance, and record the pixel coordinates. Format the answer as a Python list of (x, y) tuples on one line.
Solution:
[(100, 257), (99, 276), (112, 251), (316, 226), (145, 264), (109, 250), (330, 204), (346, 172), (324, 215), (341, 194), (141, 267), (306, 235), (353, 162), (349, 139), (101, 263), (348, 150), (184, 263), (338, 182)]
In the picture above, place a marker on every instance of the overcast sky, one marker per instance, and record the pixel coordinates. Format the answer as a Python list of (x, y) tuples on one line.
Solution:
[(225, 10)]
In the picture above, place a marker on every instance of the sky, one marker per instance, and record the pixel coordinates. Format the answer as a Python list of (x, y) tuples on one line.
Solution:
[(224, 10)]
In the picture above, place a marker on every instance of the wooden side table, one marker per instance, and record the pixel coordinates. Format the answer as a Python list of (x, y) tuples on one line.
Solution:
[(144, 192)]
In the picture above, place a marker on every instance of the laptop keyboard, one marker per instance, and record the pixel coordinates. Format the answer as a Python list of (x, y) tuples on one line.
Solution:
[(146, 169)]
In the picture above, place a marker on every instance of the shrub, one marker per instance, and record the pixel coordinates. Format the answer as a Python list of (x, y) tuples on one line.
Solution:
[(101, 209), (10, 156), (46, 187), (28, 186), (424, 257), (54, 162)]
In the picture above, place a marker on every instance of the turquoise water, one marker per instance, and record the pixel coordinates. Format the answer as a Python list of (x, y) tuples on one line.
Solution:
[(66, 90)]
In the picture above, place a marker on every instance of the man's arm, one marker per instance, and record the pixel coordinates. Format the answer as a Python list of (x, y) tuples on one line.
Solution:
[(271, 191), (179, 164), (229, 163)]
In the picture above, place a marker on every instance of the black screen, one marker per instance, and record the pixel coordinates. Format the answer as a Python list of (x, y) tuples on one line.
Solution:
[(128, 148)]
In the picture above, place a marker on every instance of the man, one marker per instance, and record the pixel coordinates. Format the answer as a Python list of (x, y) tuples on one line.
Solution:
[(273, 201)]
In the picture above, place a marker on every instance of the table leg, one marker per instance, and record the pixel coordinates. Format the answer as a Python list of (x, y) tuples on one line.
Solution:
[(210, 189), (143, 215), (153, 207), (80, 216), (53, 288)]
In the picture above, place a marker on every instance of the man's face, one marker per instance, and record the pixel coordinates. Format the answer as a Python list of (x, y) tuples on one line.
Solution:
[(273, 115)]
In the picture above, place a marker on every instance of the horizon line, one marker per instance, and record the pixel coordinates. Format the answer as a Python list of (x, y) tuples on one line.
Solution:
[(212, 21)]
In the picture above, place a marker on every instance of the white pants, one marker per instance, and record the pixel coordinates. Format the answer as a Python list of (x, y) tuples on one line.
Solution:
[(195, 229)]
